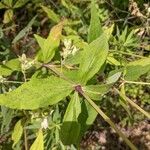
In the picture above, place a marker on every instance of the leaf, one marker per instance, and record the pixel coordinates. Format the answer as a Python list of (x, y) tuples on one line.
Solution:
[(17, 133), (2, 5), (95, 29), (114, 78), (8, 16), (10, 66), (51, 14), (48, 46), (24, 31), (8, 2), (39, 142), (94, 56), (20, 3), (37, 93), (95, 92), (86, 118), (70, 128), (137, 68), (108, 31)]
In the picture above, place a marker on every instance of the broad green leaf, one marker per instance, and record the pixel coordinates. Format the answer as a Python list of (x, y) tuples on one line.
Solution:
[(95, 92), (24, 31), (95, 29), (137, 68), (17, 133), (48, 46), (20, 3), (8, 16), (37, 93), (39, 142), (51, 14), (94, 56), (10, 66), (70, 128), (86, 118)]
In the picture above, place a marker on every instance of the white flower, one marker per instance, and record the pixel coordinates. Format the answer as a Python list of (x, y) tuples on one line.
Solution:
[(44, 123), (26, 64), (2, 80), (69, 49)]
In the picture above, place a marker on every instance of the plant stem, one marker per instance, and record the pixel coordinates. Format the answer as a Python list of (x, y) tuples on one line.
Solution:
[(13, 82), (107, 119), (25, 139), (133, 104), (133, 82), (52, 67)]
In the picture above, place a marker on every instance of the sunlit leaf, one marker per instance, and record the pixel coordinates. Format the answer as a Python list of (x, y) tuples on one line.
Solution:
[(94, 56), (17, 133), (95, 29), (37, 93), (51, 14), (10, 66), (8, 16), (39, 142)]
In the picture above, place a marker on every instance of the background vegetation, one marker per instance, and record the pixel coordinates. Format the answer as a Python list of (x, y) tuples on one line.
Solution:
[(38, 33)]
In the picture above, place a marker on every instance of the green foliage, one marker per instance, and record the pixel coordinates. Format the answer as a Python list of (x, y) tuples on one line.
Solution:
[(37, 93), (17, 133), (93, 58), (39, 142), (56, 86)]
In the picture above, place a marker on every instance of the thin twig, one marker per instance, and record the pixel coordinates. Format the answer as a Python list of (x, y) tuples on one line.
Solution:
[(132, 103), (107, 119)]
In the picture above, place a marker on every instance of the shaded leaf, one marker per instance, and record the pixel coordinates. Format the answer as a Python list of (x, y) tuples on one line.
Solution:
[(37, 93), (70, 128), (24, 31), (20, 3)]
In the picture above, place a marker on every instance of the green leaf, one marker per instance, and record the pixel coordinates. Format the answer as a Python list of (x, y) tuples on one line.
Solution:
[(37, 93), (8, 2), (95, 29), (114, 77), (39, 142), (94, 56), (86, 118), (17, 133), (20, 3), (70, 128), (48, 46), (10, 66), (137, 68), (95, 92), (24, 31), (2, 6), (8, 16), (51, 14)]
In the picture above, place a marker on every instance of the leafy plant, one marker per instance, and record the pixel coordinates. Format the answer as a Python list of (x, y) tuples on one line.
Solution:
[(69, 77)]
